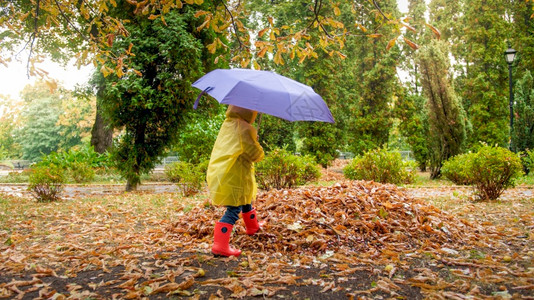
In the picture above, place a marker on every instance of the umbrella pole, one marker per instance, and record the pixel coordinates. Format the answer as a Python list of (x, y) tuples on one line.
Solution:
[(259, 121)]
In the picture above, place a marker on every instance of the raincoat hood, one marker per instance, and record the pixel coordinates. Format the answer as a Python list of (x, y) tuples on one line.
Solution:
[(242, 113)]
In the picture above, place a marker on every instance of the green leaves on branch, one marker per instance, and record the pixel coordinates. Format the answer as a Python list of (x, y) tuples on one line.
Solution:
[(46, 182), (382, 166), (281, 169), (189, 177), (491, 171)]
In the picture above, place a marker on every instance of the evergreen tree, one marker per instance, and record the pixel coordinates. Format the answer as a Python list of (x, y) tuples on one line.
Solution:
[(416, 13), (523, 133), (447, 118), (412, 112), (374, 81)]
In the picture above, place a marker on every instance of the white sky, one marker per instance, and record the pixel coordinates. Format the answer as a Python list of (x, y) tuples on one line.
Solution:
[(13, 78)]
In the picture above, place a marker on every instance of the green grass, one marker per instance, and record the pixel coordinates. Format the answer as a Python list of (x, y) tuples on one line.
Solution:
[(526, 180)]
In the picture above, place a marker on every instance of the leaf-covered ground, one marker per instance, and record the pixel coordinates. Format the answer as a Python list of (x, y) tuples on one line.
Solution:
[(351, 239)]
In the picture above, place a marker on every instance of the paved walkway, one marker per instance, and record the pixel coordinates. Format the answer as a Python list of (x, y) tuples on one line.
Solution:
[(72, 191)]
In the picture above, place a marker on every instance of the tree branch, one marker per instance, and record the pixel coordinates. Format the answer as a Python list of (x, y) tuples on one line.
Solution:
[(233, 24), (33, 36), (316, 11), (380, 10), (68, 20)]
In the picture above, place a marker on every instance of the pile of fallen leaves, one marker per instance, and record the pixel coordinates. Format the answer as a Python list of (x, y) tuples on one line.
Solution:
[(351, 216)]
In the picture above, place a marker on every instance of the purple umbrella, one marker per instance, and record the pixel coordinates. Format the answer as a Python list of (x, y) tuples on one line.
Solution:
[(265, 92)]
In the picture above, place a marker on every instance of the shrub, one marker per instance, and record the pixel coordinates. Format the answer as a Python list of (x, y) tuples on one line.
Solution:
[(85, 154), (80, 164), (493, 170), (46, 182), (16, 177), (527, 159), (380, 165), (456, 169), (196, 138), (188, 176), (81, 172), (281, 169)]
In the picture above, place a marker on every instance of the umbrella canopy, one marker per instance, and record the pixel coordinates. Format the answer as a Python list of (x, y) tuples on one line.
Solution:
[(265, 92)]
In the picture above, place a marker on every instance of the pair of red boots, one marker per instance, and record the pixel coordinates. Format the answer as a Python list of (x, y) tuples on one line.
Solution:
[(223, 231)]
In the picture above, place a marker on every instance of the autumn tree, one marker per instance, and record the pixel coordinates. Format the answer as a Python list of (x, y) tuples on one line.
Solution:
[(51, 121), (447, 118), (149, 105), (9, 110), (122, 38)]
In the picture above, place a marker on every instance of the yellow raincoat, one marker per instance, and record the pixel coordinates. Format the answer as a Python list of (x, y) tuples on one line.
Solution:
[(230, 175)]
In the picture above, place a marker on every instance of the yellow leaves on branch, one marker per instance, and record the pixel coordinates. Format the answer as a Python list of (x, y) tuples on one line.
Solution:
[(197, 2), (375, 35), (106, 71), (214, 45), (337, 11), (412, 45), (436, 32), (391, 43), (362, 28)]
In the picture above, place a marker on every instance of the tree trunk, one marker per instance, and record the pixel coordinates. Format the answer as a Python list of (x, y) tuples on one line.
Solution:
[(131, 185), (101, 134)]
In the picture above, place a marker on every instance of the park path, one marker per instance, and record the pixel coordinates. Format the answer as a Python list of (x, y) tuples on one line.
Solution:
[(74, 191)]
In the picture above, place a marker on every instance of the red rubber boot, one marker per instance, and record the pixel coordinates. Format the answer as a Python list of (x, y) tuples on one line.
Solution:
[(221, 243), (251, 222)]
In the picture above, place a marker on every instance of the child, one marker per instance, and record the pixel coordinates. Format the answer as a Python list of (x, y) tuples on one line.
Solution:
[(230, 176)]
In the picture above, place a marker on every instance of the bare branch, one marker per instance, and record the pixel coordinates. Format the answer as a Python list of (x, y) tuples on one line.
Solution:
[(380, 10), (316, 11), (68, 20), (233, 24), (33, 36)]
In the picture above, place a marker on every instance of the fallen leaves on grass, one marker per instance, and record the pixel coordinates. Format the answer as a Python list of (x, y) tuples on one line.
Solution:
[(358, 238)]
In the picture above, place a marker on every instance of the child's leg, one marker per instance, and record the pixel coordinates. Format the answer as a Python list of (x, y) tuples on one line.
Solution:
[(246, 208), (231, 215)]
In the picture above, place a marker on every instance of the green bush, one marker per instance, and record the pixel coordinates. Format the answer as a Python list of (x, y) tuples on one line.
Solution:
[(197, 136), (188, 176), (456, 169), (281, 169), (80, 164), (527, 159), (46, 182), (16, 177), (493, 170), (380, 165), (81, 172)]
